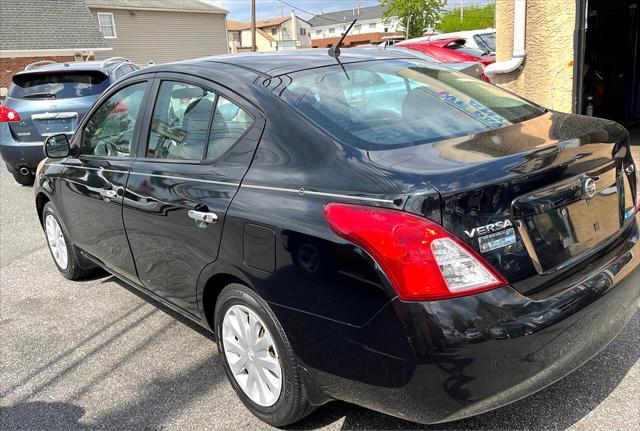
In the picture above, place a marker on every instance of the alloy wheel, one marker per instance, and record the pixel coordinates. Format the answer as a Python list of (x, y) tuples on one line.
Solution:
[(56, 241), (252, 356)]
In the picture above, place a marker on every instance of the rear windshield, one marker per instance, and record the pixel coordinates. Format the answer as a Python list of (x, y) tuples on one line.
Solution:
[(379, 105), (465, 49), (58, 85)]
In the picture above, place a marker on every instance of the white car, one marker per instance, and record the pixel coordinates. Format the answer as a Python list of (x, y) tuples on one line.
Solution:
[(484, 40)]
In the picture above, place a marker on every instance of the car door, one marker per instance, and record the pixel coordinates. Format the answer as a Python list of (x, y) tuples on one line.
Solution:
[(199, 141), (93, 181)]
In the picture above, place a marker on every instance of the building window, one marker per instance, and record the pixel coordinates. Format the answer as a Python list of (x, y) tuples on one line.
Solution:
[(274, 31), (372, 25), (332, 30), (318, 32), (107, 25), (303, 31), (357, 27)]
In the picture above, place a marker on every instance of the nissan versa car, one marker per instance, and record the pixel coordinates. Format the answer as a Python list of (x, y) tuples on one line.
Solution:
[(46, 99), (372, 228)]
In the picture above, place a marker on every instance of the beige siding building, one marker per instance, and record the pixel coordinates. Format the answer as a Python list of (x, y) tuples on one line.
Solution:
[(160, 31)]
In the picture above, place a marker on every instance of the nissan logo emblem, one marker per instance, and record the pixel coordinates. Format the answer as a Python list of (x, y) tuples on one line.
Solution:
[(589, 188)]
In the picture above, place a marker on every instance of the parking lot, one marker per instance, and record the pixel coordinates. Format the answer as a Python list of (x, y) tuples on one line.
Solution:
[(96, 354)]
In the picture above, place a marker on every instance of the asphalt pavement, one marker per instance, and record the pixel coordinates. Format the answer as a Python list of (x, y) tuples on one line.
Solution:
[(97, 354)]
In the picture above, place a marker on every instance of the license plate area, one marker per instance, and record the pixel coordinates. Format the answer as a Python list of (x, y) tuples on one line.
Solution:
[(567, 224), (50, 124), (564, 233)]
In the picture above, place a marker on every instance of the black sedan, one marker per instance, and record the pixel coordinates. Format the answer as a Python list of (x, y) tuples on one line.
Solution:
[(372, 228)]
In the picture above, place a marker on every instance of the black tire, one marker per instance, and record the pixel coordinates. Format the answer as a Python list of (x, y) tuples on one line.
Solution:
[(74, 270), (25, 180), (292, 405)]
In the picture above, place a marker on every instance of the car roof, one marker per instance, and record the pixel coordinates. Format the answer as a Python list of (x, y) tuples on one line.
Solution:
[(282, 62), (101, 66)]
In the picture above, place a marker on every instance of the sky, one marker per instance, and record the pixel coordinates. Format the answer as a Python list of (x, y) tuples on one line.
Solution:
[(240, 10)]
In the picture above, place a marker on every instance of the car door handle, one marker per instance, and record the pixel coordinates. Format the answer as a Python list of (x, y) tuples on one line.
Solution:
[(108, 194), (203, 218)]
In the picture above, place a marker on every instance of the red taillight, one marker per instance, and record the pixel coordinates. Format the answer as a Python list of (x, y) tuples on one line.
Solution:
[(484, 77), (422, 260), (8, 115)]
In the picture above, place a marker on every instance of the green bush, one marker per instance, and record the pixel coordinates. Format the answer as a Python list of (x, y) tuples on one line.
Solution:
[(475, 18)]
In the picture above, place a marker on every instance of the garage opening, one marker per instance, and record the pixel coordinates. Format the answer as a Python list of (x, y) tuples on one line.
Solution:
[(608, 61)]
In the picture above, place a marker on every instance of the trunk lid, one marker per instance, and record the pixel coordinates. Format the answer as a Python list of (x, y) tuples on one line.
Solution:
[(42, 118), (536, 199)]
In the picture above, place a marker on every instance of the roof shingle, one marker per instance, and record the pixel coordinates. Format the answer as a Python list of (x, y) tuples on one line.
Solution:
[(177, 5), (347, 15), (45, 24)]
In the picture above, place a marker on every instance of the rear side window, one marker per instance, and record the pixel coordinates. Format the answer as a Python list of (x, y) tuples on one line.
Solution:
[(181, 119), (193, 123), (379, 105), (230, 122), (58, 85)]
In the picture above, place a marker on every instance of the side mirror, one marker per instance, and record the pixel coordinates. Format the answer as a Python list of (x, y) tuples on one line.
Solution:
[(57, 146)]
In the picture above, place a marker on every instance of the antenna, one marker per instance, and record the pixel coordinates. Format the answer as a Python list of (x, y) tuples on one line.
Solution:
[(334, 51)]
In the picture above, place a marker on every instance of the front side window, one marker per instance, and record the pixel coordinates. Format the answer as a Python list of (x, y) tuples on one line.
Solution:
[(109, 131), (107, 25), (318, 32), (372, 25), (303, 31), (274, 31), (180, 123), (332, 30), (387, 104)]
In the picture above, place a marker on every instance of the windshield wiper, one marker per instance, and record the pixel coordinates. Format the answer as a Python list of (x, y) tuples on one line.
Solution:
[(39, 96)]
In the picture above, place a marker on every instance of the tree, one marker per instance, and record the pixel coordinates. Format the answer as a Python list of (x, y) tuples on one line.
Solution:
[(418, 16), (475, 18)]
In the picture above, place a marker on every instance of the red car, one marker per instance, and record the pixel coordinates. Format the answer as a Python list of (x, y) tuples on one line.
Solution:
[(450, 50)]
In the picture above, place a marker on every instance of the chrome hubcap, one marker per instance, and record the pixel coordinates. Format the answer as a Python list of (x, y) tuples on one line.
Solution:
[(55, 238), (252, 356)]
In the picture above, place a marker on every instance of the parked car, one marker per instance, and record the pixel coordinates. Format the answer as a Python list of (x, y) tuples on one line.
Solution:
[(483, 40), (379, 229), (46, 99), (450, 50), (471, 68)]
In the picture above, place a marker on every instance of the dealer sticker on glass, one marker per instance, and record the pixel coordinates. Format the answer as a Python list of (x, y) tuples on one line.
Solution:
[(497, 240)]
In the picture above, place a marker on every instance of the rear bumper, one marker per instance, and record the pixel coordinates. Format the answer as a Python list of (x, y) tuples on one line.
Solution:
[(445, 360), (17, 155)]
